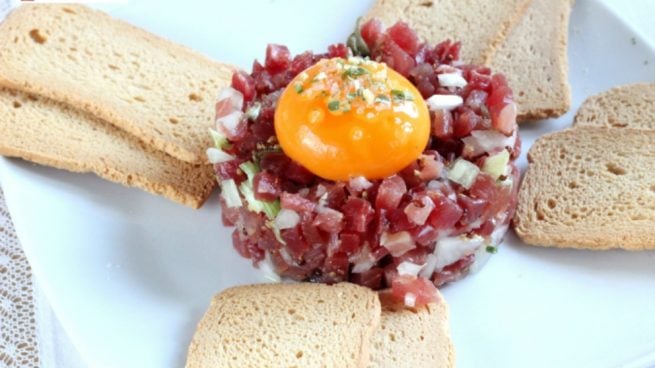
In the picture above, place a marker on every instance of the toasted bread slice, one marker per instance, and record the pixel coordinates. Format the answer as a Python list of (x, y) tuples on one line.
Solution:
[(162, 93), (629, 106), (534, 60), (412, 338), (50, 133), (287, 325), (480, 25), (590, 187)]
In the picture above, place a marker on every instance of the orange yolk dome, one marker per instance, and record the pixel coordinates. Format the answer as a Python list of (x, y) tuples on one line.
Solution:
[(347, 118)]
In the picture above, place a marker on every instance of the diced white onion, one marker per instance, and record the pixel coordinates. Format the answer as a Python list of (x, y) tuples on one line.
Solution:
[(362, 261), (286, 219), (445, 102), (409, 268), (450, 250), (482, 255), (452, 80), (229, 122), (266, 267), (216, 156), (284, 253), (397, 243), (496, 165), (359, 183), (463, 173), (429, 266), (484, 141), (410, 300), (419, 214), (230, 193), (236, 97)]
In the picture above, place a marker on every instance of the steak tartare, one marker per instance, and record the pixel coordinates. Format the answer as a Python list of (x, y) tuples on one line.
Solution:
[(414, 229)]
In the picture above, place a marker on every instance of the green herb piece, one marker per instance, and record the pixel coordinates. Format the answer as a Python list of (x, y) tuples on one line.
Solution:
[(401, 95), (356, 42), (333, 105), (299, 88), (250, 169), (382, 99), (492, 250), (355, 71)]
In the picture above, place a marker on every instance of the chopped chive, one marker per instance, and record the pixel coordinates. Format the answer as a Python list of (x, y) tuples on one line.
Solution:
[(492, 250), (333, 105), (401, 95), (355, 72), (382, 98), (299, 88)]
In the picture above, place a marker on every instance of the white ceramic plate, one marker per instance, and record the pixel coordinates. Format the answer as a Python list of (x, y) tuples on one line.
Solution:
[(130, 274)]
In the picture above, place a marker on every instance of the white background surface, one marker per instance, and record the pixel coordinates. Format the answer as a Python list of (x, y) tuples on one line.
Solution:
[(129, 274)]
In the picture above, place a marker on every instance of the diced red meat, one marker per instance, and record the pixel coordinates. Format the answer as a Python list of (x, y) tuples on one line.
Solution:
[(358, 213), (390, 193), (371, 32), (339, 50), (442, 124), (296, 202), (278, 58), (404, 37), (245, 84), (329, 220), (266, 186), (361, 231), (423, 291)]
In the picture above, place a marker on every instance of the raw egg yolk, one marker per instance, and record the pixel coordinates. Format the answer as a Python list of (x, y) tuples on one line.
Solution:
[(346, 118)]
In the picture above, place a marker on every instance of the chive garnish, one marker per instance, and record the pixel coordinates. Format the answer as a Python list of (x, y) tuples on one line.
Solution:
[(492, 250), (333, 105)]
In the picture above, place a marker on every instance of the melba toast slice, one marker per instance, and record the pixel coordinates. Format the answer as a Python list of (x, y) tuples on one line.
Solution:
[(287, 325), (590, 187), (412, 338), (629, 106), (162, 93), (534, 60), (53, 134), (480, 25)]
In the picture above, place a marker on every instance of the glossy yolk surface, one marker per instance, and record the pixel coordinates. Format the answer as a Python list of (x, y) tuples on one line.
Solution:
[(347, 118)]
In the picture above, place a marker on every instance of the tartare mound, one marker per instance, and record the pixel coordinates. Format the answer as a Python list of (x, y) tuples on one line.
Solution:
[(419, 228)]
